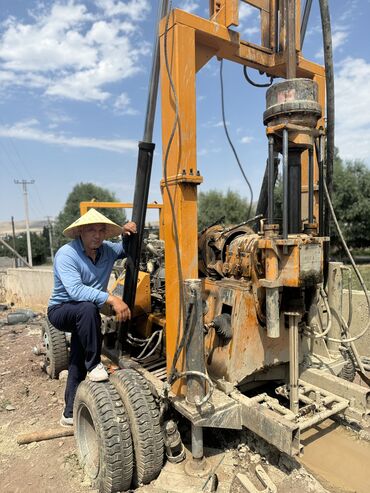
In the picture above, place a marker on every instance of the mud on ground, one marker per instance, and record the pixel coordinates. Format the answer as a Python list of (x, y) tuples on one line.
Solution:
[(31, 401)]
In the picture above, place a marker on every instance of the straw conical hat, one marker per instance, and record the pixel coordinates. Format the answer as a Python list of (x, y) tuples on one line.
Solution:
[(92, 216)]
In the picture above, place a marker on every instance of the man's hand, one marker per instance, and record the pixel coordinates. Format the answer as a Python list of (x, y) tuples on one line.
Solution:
[(129, 228), (122, 311)]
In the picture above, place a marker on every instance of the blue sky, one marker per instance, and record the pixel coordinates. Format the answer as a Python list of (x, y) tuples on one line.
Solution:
[(73, 89)]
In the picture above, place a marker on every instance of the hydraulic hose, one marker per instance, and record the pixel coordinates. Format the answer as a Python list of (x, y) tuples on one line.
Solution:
[(329, 322), (357, 272)]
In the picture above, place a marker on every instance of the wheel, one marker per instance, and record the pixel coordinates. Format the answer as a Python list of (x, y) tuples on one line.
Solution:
[(56, 355), (143, 415), (102, 433)]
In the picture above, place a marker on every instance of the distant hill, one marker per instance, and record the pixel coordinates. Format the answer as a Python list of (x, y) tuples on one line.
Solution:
[(20, 227)]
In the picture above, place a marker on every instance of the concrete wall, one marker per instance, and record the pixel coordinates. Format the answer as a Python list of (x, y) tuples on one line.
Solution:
[(360, 318), (26, 288)]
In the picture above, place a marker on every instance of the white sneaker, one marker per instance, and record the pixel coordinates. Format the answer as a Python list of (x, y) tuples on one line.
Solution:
[(98, 374), (66, 422)]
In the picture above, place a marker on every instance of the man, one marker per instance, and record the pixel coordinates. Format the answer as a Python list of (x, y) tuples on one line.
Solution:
[(81, 273)]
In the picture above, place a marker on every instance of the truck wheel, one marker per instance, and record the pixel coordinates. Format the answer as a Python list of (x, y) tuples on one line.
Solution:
[(56, 350), (143, 415), (102, 433)]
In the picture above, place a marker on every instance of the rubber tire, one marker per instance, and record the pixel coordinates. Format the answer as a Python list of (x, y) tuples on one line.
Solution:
[(143, 415), (103, 438), (56, 357)]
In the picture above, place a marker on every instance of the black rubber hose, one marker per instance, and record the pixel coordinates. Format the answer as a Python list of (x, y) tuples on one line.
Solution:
[(330, 114)]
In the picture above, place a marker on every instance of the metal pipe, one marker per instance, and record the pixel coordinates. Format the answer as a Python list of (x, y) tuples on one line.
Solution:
[(271, 181), (272, 313), (319, 147), (293, 362), (154, 78), (337, 408), (263, 199), (330, 120), (291, 54), (310, 185), (285, 183), (306, 16), (335, 300), (143, 173), (195, 343), (295, 192), (197, 442), (350, 305)]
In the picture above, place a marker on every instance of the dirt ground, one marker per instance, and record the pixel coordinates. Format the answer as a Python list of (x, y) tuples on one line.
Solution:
[(31, 401)]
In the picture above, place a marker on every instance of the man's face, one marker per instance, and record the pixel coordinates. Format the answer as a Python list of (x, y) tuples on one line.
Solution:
[(92, 235)]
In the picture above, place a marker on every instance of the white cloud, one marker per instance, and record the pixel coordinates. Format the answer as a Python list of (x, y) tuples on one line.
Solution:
[(69, 52), (189, 5), (251, 31), (213, 124), (123, 105), (338, 39), (245, 11), (208, 150), (247, 139), (135, 9), (29, 130), (352, 98)]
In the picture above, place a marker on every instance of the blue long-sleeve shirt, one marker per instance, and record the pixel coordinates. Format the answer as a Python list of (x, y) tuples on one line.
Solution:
[(78, 278)]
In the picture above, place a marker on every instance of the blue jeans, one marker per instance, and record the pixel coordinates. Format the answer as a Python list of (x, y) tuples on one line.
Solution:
[(82, 319)]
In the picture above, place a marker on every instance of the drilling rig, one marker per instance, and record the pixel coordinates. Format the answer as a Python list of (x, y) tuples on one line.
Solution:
[(223, 316)]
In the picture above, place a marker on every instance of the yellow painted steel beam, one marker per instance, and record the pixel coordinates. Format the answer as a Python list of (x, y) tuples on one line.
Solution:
[(216, 40), (180, 175)]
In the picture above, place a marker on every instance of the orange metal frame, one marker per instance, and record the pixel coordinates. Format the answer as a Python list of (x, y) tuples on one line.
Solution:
[(188, 42)]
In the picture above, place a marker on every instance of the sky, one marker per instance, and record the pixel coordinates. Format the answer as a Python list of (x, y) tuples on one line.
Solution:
[(73, 89)]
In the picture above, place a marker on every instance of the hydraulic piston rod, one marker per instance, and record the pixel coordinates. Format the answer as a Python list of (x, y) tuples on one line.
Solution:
[(143, 174)]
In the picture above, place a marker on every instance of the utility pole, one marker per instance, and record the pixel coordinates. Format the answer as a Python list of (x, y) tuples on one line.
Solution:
[(50, 228), (13, 229), (24, 184)]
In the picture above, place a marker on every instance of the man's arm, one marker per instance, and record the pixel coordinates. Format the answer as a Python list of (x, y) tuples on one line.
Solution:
[(67, 270), (122, 310)]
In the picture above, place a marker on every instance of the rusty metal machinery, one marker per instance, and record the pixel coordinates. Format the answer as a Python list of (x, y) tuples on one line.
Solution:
[(234, 308)]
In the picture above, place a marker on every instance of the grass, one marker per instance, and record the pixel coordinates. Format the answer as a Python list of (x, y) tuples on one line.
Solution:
[(365, 273)]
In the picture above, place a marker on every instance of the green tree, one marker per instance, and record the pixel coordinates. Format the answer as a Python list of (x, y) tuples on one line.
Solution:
[(38, 244), (71, 211), (351, 201), (214, 206)]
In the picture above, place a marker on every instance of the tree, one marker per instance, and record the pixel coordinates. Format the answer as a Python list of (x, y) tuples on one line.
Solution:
[(351, 201), (39, 247), (214, 206), (84, 192)]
